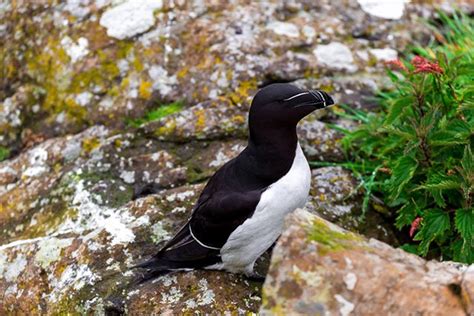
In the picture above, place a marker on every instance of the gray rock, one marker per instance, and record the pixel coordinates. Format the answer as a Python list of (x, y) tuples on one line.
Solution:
[(317, 267)]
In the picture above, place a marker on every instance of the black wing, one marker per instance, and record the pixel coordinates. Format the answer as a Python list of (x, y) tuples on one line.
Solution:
[(229, 198)]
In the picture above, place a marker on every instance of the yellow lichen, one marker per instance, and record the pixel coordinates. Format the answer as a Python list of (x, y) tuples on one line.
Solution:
[(166, 129), (144, 90), (89, 144), (182, 72), (200, 120)]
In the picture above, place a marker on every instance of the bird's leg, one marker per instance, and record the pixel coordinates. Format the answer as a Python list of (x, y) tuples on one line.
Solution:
[(253, 275)]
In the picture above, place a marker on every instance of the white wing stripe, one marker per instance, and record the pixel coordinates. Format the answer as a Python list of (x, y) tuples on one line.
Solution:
[(199, 242)]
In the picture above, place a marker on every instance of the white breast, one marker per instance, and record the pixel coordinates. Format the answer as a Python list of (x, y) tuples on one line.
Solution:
[(259, 232)]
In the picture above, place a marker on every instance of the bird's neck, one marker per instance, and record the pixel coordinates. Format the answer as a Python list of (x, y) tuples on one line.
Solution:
[(273, 149)]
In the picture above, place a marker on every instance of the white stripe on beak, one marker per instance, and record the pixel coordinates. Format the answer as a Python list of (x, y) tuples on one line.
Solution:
[(322, 97)]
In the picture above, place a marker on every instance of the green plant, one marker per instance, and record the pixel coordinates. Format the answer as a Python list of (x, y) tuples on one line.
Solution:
[(157, 113), (417, 150), (4, 153)]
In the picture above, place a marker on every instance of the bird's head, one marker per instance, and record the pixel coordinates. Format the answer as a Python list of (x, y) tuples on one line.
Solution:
[(282, 104)]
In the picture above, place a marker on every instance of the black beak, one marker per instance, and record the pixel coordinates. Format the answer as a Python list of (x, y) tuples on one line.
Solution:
[(322, 98), (316, 98)]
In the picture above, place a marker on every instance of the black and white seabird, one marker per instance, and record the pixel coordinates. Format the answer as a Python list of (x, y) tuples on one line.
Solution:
[(240, 212)]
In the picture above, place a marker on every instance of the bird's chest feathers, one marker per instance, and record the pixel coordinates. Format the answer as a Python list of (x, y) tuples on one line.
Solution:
[(289, 192), (261, 230)]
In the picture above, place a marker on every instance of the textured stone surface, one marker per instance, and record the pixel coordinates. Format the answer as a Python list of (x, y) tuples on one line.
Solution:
[(85, 194), (318, 269), (337, 197)]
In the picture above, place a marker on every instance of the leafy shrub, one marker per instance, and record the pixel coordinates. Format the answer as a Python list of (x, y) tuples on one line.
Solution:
[(417, 151)]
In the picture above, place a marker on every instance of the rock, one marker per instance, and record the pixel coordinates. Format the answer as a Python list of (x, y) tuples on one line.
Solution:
[(335, 56), (385, 10), (384, 54), (319, 268), (198, 292), (130, 18), (85, 262), (335, 196), (319, 142), (84, 194), (100, 62), (204, 121)]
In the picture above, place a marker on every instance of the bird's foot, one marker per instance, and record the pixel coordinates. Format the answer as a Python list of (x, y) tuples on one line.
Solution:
[(256, 277)]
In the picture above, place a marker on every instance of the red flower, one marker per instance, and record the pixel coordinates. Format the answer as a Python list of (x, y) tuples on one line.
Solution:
[(418, 60), (423, 65), (414, 226), (396, 64)]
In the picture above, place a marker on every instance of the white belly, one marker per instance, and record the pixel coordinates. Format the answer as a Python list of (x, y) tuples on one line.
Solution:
[(258, 233)]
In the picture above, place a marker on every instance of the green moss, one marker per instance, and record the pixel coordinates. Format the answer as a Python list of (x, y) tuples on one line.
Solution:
[(157, 113), (52, 216), (329, 239), (4, 153)]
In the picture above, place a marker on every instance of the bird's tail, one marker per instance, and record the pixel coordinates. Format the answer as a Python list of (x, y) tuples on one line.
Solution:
[(150, 269)]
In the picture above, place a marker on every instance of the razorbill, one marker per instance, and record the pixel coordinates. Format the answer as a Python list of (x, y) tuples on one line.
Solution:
[(240, 212)]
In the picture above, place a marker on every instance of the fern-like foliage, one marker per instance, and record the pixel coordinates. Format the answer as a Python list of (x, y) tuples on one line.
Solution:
[(422, 138)]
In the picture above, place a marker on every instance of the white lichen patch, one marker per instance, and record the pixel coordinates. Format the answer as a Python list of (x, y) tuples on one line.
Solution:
[(311, 278), (172, 296), (181, 196), (72, 150), (350, 280), (206, 295), (162, 81), (159, 233), (128, 176), (284, 28), (167, 280), (385, 9), (178, 209), (38, 158), (130, 18), (12, 270), (10, 113), (75, 51), (79, 8), (95, 218), (335, 55), (346, 307), (191, 304), (220, 159), (384, 54), (50, 250), (309, 32), (3, 263), (83, 98), (74, 277)]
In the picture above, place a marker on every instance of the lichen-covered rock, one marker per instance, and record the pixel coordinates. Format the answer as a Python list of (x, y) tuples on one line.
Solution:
[(90, 62), (335, 195), (319, 142), (79, 211), (318, 269), (84, 194), (202, 292), (205, 121), (85, 261)]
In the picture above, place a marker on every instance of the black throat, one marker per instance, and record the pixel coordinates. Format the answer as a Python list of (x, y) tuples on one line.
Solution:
[(271, 150)]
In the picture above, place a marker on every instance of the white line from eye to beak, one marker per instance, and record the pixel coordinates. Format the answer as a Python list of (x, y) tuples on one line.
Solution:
[(295, 96)]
